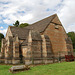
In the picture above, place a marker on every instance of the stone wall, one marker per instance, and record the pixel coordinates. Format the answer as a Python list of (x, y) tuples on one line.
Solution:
[(69, 45), (8, 33), (57, 37), (9, 51), (36, 51), (3, 48), (16, 57), (24, 53), (47, 50)]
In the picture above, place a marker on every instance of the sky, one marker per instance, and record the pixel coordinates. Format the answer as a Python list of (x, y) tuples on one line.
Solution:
[(30, 11)]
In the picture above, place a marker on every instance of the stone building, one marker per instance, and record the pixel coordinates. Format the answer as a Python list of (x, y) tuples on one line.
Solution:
[(37, 43)]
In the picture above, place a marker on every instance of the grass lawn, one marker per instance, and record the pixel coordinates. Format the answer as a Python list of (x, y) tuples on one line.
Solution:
[(65, 68)]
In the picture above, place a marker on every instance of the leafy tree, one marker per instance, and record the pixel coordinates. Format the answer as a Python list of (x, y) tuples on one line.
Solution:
[(23, 24), (16, 24), (1, 36), (72, 36)]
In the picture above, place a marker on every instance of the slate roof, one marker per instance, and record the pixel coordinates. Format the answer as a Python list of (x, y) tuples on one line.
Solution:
[(41, 25), (21, 32), (36, 36)]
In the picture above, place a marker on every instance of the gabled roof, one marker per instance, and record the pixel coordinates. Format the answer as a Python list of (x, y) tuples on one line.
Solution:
[(21, 32), (41, 25)]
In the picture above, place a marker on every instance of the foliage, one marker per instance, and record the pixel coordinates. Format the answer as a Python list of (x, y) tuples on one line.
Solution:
[(1, 36), (74, 50), (65, 68), (72, 36), (23, 24), (16, 24)]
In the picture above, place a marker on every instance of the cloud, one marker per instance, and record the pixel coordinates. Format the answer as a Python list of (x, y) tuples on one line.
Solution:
[(1, 27), (3, 31), (25, 10), (34, 10), (67, 14)]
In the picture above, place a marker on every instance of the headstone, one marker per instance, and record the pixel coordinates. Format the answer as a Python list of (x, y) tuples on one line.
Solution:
[(19, 68)]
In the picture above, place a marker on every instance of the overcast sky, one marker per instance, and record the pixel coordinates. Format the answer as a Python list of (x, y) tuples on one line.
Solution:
[(30, 11)]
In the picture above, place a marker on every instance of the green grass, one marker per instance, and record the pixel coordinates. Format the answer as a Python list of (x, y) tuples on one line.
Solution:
[(65, 68), (74, 50)]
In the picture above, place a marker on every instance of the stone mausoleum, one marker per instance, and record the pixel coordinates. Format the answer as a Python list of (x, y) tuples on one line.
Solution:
[(40, 42)]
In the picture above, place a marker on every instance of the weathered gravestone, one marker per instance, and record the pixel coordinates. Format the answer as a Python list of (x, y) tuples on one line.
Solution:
[(18, 68)]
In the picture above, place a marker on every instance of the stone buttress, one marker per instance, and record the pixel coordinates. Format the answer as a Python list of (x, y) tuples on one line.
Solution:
[(8, 50), (37, 50), (16, 58)]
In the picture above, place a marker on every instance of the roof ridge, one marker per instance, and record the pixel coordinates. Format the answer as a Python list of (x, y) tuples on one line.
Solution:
[(19, 27), (42, 19), (50, 21), (42, 24)]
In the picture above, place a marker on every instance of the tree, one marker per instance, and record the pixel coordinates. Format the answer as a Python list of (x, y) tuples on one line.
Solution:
[(72, 36), (16, 24), (23, 24), (1, 36)]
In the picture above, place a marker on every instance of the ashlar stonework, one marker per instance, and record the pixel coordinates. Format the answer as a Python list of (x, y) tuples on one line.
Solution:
[(40, 42)]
